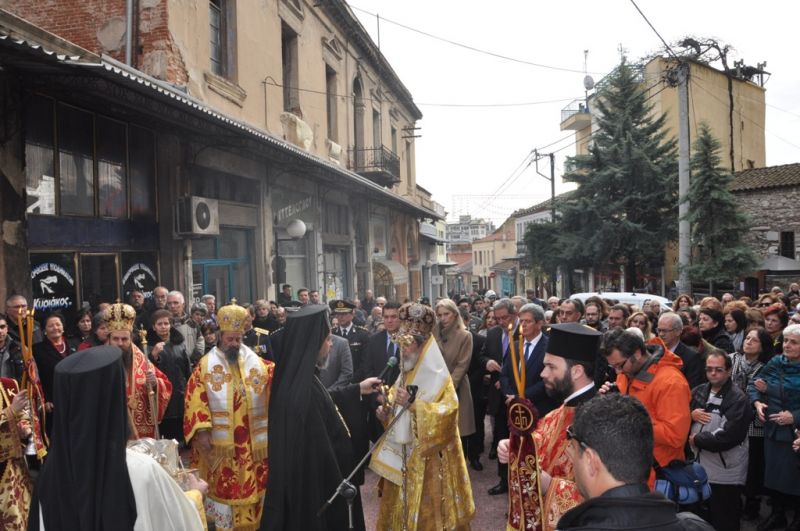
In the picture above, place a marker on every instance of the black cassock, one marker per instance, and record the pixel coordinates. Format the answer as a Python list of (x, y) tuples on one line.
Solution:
[(310, 450)]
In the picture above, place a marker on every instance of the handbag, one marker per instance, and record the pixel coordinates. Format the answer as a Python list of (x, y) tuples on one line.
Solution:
[(683, 482)]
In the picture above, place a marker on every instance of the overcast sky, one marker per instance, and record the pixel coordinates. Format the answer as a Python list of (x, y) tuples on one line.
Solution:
[(470, 151)]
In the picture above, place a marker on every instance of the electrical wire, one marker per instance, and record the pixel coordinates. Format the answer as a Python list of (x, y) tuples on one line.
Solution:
[(473, 48), (654, 29), (465, 105)]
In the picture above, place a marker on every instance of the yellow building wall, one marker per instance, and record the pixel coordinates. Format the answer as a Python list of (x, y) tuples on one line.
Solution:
[(259, 76)]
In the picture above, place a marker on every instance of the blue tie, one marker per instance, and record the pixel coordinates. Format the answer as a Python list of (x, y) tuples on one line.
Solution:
[(527, 351)]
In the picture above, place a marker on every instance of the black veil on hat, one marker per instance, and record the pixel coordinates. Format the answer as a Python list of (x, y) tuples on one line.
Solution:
[(84, 483), (303, 465)]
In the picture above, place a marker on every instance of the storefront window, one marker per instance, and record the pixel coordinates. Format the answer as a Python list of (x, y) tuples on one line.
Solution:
[(112, 183), (142, 156), (39, 157), (76, 164)]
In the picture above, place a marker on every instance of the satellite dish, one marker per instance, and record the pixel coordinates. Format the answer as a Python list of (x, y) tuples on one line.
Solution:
[(588, 83)]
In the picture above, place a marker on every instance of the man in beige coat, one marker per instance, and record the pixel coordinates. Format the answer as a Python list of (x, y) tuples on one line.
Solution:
[(455, 343)]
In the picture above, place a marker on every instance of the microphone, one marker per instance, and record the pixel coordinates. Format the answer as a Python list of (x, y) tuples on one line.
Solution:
[(412, 390), (390, 363)]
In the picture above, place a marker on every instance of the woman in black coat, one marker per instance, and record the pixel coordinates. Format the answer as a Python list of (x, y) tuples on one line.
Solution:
[(47, 353), (711, 321), (167, 350)]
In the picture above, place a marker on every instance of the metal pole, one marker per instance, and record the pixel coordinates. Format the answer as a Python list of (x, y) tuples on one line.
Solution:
[(554, 274), (684, 230), (129, 32)]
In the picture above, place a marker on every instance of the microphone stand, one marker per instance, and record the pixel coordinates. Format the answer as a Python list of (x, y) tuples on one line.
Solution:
[(346, 489)]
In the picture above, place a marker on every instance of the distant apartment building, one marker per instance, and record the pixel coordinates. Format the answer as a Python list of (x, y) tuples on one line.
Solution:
[(468, 229)]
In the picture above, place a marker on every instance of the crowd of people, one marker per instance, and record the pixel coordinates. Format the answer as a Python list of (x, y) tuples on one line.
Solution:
[(275, 402)]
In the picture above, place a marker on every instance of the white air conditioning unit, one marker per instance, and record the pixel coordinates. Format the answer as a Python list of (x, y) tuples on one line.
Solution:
[(197, 217)]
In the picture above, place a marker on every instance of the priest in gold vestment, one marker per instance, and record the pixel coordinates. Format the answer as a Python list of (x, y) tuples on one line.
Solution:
[(568, 373), (15, 484), (424, 480), (225, 421)]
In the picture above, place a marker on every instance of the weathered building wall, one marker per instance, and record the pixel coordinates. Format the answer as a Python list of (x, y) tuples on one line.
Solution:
[(14, 278), (771, 211)]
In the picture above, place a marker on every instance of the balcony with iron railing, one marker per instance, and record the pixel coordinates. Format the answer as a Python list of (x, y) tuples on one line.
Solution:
[(380, 164), (576, 116)]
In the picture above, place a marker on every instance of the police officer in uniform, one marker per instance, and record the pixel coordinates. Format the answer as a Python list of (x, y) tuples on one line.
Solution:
[(356, 336)]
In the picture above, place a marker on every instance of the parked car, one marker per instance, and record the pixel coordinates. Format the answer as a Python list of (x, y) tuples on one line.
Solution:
[(625, 297)]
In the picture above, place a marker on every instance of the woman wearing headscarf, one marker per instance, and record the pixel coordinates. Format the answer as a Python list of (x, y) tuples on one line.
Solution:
[(309, 444), (455, 343)]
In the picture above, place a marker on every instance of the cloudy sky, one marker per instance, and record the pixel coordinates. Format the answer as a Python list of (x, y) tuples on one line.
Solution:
[(484, 114)]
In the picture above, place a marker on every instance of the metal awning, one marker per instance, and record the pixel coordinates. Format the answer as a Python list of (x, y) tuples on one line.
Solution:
[(776, 262), (399, 271)]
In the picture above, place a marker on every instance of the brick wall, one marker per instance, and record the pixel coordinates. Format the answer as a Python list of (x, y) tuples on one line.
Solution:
[(99, 26)]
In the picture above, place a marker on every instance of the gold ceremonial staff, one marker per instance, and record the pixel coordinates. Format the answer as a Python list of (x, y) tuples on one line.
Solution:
[(518, 367), (151, 394)]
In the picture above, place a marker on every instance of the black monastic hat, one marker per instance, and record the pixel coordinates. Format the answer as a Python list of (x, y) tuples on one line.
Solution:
[(574, 341)]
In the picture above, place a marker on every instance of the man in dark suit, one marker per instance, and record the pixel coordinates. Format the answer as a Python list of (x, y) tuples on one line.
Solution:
[(380, 348), (533, 347), (356, 336), (493, 355), (670, 327)]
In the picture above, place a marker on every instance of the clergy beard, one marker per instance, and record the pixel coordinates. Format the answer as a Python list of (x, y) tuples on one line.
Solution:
[(231, 354), (410, 361), (127, 357), (561, 389)]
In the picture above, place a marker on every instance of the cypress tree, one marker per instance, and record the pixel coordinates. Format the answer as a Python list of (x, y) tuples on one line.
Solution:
[(717, 225)]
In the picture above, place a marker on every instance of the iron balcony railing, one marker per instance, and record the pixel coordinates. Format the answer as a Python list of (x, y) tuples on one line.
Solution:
[(374, 161)]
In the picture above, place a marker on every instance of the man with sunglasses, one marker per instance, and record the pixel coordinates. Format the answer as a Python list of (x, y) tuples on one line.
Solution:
[(568, 376), (721, 415)]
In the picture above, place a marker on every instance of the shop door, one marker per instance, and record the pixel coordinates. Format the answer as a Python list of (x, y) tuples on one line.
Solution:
[(337, 279), (221, 267), (99, 278)]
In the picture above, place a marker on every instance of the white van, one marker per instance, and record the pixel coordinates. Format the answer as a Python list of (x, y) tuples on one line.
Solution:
[(626, 297)]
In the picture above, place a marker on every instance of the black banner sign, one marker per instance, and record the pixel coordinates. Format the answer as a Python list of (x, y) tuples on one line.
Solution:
[(140, 273), (53, 282)]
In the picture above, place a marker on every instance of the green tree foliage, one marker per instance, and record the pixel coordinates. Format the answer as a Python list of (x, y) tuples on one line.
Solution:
[(625, 208), (717, 224)]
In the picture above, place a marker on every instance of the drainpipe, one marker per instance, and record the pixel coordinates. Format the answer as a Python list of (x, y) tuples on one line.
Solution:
[(129, 32)]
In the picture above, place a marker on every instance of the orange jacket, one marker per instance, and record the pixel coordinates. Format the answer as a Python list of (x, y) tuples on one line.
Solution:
[(663, 390)]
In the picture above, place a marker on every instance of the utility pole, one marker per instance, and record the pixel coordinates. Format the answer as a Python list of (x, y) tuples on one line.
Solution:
[(684, 230), (536, 157)]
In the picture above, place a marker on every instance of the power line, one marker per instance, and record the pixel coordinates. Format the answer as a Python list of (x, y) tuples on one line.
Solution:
[(467, 105), (472, 48), (654, 29)]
